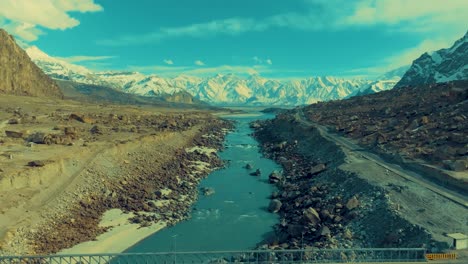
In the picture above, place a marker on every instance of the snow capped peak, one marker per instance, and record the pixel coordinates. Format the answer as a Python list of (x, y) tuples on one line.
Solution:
[(36, 54), (218, 89), (440, 66)]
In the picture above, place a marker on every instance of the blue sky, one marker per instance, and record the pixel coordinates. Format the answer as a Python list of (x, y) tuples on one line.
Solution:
[(274, 38)]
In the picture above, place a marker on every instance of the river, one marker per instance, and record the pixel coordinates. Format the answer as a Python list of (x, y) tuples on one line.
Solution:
[(235, 217)]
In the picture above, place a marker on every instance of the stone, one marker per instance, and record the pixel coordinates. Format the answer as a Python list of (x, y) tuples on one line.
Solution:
[(258, 172), (14, 134), (36, 163), (14, 121), (207, 191), (274, 177), (295, 230), (70, 130), (248, 166), (456, 165), (311, 216), (317, 169), (275, 206), (325, 231), (96, 130), (80, 118), (352, 203), (424, 120), (38, 138)]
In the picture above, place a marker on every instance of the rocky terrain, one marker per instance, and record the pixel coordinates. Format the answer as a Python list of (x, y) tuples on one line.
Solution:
[(64, 164), (426, 122), (332, 198), (19, 75)]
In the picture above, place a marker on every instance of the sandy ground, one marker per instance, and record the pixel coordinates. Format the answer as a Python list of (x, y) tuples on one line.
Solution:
[(121, 236)]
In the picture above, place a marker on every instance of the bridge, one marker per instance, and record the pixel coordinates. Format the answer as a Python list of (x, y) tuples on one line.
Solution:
[(365, 255)]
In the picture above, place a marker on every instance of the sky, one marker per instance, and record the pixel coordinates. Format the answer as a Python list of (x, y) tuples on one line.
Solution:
[(273, 38)]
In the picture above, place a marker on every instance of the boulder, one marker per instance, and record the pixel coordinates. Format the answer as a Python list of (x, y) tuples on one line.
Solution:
[(456, 165), (14, 121), (15, 134), (317, 169), (36, 163), (311, 216), (80, 118), (248, 166), (275, 206), (352, 203), (96, 130), (325, 231), (274, 177), (295, 230), (258, 172), (207, 191)]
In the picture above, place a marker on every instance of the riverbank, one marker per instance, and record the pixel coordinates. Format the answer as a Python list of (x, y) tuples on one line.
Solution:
[(138, 161), (330, 197)]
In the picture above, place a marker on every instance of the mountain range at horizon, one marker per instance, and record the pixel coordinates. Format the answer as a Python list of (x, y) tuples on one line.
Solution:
[(229, 89), (220, 89)]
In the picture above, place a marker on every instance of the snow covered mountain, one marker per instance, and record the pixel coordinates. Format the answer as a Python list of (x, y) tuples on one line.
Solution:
[(227, 89), (441, 66), (384, 82)]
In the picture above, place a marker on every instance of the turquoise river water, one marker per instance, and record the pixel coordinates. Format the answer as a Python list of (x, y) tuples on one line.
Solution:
[(235, 217)]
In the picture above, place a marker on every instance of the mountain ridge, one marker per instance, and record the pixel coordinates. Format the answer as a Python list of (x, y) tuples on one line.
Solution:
[(19, 75), (444, 65), (220, 89)]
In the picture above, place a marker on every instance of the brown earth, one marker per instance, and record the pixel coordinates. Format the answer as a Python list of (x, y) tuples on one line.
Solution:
[(63, 164)]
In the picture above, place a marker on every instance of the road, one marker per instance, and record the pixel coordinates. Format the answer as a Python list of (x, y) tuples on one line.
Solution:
[(406, 174)]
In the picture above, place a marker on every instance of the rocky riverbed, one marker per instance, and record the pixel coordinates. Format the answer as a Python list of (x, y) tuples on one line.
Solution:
[(323, 206)]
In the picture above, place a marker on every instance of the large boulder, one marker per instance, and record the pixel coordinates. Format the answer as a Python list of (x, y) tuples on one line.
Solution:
[(274, 177), (311, 216), (275, 206), (15, 134), (317, 169), (352, 203)]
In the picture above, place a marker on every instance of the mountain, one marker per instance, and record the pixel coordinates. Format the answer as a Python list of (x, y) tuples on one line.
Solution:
[(19, 75), (220, 89), (384, 82), (441, 66)]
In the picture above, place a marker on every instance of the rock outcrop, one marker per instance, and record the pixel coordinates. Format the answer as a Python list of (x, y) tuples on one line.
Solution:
[(19, 75)]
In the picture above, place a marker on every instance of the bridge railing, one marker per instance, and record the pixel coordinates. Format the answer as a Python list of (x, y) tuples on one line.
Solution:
[(254, 256)]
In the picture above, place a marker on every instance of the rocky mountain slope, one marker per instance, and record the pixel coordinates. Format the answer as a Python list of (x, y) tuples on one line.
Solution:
[(219, 89), (432, 128), (19, 75), (441, 66)]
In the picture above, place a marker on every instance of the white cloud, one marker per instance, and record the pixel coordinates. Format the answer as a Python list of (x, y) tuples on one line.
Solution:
[(24, 17), (403, 15), (75, 59), (168, 71), (199, 63), (168, 62), (258, 60)]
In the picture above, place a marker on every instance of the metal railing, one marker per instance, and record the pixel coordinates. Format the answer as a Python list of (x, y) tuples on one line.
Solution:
[(362, 255)]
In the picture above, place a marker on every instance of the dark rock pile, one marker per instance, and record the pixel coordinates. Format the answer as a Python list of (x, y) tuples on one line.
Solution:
[(319, 204)]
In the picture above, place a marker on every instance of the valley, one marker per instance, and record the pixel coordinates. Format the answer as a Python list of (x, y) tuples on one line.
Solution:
[(313, 134)]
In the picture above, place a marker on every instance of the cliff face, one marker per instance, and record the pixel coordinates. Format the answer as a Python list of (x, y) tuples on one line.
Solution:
[(19, 75)]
